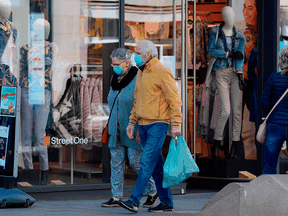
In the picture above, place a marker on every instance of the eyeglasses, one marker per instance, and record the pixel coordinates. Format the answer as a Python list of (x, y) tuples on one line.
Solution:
[(116, 65), (137, 53)]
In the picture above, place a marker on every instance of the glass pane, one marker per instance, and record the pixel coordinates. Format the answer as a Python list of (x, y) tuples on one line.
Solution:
[(64, 50), (208, 108), (153, 20), (283, 162)]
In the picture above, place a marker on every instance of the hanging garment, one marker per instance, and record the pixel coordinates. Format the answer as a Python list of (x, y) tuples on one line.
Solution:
[(190, 115), (216, 112), (67, 115), (96, 124), (8, 48), (202, 39), (87, 123), (250, 34), (6, 77)]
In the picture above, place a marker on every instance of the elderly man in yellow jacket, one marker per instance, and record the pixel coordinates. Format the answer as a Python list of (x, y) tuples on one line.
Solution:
[(157, 102)]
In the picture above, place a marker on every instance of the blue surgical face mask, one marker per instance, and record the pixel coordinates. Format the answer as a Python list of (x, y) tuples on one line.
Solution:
[(138, 60), (118, 70)]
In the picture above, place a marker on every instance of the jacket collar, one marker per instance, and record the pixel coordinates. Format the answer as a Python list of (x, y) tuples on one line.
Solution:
[(235, 32), (151, 64)]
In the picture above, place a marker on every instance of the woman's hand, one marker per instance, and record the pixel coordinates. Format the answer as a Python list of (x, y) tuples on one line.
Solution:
[(138, 137)]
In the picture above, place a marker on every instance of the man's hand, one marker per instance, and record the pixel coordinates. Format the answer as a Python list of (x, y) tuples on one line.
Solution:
[(130, 130), (138, 137), (241, 81), (175, 131)]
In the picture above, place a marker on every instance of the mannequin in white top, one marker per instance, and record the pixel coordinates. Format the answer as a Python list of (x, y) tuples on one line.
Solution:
[(5, 10)]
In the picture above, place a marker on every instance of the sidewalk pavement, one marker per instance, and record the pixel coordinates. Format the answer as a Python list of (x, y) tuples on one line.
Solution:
[(188, 203)]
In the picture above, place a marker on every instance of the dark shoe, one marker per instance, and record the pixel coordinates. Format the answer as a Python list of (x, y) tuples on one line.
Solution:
[(110, 203), (233, 150), (151, 200), (236, 151), (43, 178), (161, 208), (214, 149), (129, 205)]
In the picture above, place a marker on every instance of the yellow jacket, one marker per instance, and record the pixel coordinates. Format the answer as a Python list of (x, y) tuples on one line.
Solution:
[(156, 96)]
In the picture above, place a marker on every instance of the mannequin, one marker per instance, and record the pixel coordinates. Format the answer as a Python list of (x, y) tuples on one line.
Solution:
[(5, 10), (229, 51), (38, 26), (228, 16), (8, 35), (34, 116)]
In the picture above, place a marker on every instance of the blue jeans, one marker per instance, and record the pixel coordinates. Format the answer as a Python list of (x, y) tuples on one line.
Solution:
[(275, 136), (33, 122), (151, 163)]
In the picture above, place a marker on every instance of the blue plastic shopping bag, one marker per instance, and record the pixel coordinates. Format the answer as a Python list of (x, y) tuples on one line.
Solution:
[(179, 164)]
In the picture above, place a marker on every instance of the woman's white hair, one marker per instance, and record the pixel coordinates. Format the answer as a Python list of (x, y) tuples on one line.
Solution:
[(148, 46), (283, 60)]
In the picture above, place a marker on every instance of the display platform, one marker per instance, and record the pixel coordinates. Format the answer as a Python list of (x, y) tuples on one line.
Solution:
[(226, 168)]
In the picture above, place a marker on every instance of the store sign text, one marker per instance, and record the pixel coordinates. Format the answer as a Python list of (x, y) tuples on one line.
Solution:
[(69, 141)]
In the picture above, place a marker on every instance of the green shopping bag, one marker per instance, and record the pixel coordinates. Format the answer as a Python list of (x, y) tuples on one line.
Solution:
[(179, 164)]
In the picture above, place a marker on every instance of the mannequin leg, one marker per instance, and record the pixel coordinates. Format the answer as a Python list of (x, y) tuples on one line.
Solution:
[(236, 105), (26, 129), (223, 79), (41, 113)]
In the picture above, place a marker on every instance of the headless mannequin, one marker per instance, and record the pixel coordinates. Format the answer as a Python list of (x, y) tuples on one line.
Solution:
[(41, 24), (228, 16), (5, 10), (8, 35), (27, 110)]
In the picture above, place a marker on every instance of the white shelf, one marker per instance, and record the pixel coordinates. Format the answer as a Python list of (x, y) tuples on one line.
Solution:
[(96, 40)]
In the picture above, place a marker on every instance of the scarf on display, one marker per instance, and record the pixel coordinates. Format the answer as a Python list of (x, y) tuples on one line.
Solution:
[(125, 80)]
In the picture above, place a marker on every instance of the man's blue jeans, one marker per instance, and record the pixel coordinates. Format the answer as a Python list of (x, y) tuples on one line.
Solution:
[(275, 136), (151, 163)]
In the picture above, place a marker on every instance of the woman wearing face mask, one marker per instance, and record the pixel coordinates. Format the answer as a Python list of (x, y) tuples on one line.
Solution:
[(122, 92)]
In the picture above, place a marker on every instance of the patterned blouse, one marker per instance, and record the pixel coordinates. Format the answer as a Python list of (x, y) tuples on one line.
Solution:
[(51, 50), (6, 30), (202, 39), (6, 77)]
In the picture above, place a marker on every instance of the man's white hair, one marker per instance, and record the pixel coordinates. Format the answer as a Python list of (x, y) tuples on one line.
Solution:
[(283, 60), (148, 46)]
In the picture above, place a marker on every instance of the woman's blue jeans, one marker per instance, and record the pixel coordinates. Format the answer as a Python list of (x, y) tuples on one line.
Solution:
[(151, 163), (275, 136)]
